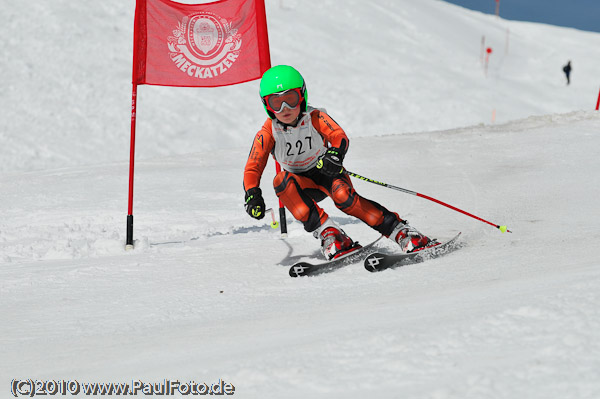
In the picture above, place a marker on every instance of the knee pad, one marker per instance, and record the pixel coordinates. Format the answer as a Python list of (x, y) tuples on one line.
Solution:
[(343, 194), (299, 203)]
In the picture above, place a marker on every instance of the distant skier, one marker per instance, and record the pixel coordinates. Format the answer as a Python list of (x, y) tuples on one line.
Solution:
[(310, 146), (567, 71)]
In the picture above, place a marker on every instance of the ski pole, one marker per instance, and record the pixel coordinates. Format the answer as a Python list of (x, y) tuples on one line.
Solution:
[(501, 228), (274, 223)]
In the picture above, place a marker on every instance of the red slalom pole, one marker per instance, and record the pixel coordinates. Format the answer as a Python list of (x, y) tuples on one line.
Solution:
[(501, 228), (598, 103), (129, 239), (282, 220)]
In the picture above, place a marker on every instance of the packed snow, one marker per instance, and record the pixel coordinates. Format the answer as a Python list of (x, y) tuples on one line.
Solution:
[(205, 295)]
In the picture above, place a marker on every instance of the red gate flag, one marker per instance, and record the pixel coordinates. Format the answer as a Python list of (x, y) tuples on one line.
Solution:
[(199, 45), (195, 45)]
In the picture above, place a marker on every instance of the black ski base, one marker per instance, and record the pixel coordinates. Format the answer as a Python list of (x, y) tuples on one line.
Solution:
[(312, 269), (377, 261)]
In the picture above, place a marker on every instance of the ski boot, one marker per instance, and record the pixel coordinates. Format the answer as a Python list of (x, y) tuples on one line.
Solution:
[(409, 239), (334, 242)]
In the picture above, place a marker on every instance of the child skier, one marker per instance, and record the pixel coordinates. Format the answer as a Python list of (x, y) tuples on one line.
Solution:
[(310, 146)]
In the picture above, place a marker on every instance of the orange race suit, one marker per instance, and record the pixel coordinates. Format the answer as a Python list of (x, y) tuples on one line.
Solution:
[(300, 185)]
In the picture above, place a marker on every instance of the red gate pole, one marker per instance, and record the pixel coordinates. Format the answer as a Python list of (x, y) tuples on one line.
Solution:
[(598, 103), (282, 220), (129, 242), (487, 59)]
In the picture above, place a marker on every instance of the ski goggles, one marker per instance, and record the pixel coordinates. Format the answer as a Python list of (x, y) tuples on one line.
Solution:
[(289, 98)]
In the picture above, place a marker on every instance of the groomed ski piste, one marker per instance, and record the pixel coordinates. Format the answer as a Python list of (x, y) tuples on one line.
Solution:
[(204, 296)]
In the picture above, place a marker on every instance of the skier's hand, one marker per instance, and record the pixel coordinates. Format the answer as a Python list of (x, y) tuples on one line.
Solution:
[(255, 204), (330, 163)]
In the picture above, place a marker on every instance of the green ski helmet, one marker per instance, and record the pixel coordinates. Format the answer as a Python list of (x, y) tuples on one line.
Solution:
[(281, 78)]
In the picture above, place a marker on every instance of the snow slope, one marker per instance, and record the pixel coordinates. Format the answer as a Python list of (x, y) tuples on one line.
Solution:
[(205, 295), (406, 66)]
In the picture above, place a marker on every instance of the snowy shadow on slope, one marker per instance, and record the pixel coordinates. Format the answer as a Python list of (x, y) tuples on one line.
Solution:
[(289, 259), (236, 230)]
